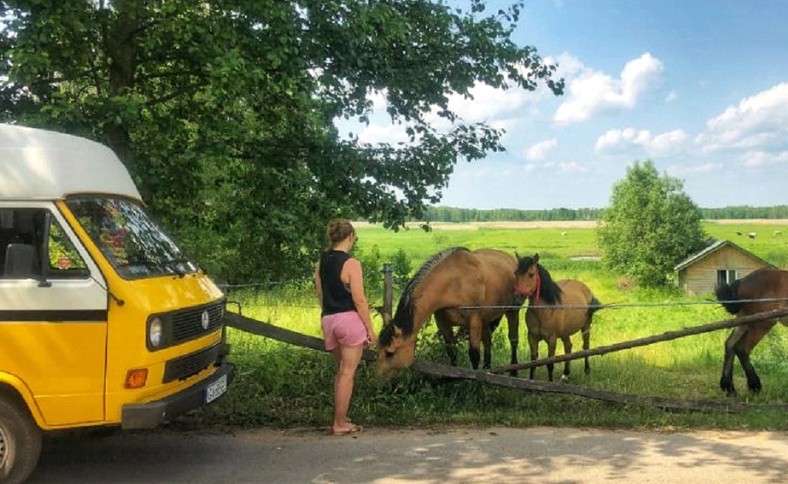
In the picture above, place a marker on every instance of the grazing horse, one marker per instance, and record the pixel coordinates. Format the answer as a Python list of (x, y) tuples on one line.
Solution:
[(449, 280), (555, 310), (740, 298)]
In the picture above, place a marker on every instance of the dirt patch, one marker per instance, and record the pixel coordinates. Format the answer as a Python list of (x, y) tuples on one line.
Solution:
[(553, 224), (750, 221), (558, 224)]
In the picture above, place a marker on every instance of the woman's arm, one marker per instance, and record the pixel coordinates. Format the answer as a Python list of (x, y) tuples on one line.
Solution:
[(352, 276), (318, 285)]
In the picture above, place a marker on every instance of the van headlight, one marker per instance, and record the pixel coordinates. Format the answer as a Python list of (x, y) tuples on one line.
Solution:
[(155, 331)]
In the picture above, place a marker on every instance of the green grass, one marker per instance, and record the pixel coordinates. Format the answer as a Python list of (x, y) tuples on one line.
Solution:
[(281, 385)]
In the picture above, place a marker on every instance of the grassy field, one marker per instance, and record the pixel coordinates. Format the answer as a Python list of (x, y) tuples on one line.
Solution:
[(280, 385)]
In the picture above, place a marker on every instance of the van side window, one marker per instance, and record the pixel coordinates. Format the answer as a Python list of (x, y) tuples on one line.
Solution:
[(64, 260), (31, 238)]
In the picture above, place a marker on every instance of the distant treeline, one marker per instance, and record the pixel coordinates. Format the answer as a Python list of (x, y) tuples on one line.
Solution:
[(452, 214)]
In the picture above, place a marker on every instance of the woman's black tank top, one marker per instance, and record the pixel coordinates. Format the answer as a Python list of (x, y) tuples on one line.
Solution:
[(336, 296)]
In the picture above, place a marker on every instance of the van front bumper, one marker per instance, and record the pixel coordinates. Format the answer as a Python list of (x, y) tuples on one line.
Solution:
[(152, 414)]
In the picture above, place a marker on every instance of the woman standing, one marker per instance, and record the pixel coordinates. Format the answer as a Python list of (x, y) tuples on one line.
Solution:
[(345, 317)]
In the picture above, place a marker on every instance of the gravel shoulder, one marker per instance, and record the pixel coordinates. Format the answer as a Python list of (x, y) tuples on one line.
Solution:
[(433, 455)]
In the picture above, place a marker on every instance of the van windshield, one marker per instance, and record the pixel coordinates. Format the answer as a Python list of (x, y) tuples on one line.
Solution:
[(132, 242)]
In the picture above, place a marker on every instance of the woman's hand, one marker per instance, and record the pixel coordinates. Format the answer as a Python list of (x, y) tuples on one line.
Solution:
[(372, 338)]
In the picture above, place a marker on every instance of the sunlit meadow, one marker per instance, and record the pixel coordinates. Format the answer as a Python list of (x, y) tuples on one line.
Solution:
[(282, 385)]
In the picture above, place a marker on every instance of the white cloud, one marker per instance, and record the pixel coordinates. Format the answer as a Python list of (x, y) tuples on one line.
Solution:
[(679, 170), (539, 150), (593, 91), (568, 66), (672, 96), (376, 133), (488, 103), (757, 123), (497, 107), (665, 143), (572, 167), (622, 140), (760, 158)]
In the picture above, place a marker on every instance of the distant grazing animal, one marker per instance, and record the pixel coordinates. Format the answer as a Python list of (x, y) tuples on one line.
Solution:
[(551, 323), (737, 298), (448, 280), (752, 235)]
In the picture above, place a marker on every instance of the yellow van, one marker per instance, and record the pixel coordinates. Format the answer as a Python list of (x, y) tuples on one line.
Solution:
[(103, 319)]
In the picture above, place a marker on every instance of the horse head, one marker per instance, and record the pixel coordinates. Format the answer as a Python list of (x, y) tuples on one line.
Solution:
[(396, 349), (527, 275)]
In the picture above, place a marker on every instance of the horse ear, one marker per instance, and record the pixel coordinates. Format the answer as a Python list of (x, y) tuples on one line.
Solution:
[(516, 255), (536, 258)]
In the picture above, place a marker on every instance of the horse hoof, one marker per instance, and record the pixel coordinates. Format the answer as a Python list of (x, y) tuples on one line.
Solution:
[(564, 378), (727, 386)]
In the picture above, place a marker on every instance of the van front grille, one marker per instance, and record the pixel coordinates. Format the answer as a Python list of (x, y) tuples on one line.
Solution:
[(187, 324), (191, 364)]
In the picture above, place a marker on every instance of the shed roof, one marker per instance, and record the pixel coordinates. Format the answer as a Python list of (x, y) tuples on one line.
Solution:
[(36, 164), (714, 247)]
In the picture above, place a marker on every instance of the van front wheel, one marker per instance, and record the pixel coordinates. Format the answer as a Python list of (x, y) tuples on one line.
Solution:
[(20, 442)]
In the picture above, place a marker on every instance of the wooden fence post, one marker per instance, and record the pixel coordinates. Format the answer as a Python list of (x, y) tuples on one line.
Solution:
[(388, 289)]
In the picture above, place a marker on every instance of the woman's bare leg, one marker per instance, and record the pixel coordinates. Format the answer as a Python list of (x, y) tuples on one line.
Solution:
[(347, 359)]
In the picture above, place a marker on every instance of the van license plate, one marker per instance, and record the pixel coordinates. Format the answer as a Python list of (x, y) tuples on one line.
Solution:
[(216, 389)]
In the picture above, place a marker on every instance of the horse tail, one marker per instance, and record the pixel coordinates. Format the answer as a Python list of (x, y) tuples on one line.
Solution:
[(727, 295), (593, 306)]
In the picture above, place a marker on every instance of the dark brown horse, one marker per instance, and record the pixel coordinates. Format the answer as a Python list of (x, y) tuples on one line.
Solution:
[(449, 280), (555, 310), (770, 286)]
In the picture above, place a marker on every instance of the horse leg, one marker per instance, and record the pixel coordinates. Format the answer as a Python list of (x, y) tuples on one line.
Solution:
[(474, 339), (567, 350), (487, 344), (726, 380), (447, 332), (513, 317), (551, 342), (533, 345), (754, 334), (586, 332)]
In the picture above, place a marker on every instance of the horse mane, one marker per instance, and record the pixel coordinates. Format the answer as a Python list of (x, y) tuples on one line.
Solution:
[(403, 316), (549, 291), (727, 295)]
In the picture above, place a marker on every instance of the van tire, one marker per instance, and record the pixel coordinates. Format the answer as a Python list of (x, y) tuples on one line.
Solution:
[(20, 442)]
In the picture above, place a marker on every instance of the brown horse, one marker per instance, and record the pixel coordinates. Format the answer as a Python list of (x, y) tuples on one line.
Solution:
[(555, 310), (739, 298), (449, 280)]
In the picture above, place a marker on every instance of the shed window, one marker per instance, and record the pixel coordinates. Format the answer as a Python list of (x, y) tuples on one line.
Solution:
[(725, 276)]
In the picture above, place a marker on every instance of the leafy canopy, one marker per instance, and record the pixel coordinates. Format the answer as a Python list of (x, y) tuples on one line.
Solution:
[(224, 110), (650, 226)]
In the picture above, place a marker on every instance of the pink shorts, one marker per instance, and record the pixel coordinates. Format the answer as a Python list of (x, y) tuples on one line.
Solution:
[(343, 329)]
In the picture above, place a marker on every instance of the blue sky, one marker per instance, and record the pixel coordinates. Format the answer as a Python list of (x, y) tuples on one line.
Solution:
[(699, 87)]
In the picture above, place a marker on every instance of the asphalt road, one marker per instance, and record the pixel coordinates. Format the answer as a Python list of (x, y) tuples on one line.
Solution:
[(491, 455)]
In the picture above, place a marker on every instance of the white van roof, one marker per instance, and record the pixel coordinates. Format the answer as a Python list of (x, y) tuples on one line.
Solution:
[(36, 164)]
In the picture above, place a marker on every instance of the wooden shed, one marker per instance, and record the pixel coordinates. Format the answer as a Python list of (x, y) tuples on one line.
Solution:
[(721, 262)]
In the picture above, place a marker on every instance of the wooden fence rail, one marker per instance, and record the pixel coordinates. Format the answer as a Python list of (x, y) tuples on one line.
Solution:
[(667, 336), (261, 328)]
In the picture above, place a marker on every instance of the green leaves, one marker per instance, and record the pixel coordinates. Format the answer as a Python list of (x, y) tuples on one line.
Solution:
[(650, 226), (224, 110)]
